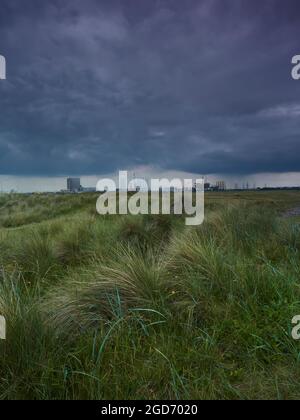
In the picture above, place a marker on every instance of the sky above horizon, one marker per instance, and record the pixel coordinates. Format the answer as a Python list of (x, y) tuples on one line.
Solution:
[(183, 86)]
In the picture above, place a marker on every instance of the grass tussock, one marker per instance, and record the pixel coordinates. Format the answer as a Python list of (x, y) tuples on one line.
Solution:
[(108, 292)]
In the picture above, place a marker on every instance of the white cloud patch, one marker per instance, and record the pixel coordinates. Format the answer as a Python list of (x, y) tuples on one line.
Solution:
[(281, 111)]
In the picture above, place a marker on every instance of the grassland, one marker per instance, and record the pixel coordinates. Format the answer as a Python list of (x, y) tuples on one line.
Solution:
[(123, 307)]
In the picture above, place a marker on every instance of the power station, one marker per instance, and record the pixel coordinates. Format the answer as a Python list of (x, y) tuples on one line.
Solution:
[(74, 184)]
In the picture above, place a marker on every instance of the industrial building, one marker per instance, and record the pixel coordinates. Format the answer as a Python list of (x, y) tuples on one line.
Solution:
[(221, 186), (74, 184)]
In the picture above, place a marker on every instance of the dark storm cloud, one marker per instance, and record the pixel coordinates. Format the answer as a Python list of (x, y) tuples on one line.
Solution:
[(200, 86)]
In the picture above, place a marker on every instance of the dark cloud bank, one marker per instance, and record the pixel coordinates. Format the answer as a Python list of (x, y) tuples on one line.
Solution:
[(197, 86)]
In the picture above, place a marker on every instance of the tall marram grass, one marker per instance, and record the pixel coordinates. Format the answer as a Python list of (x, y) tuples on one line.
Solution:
[(143, 307), (100, 293)]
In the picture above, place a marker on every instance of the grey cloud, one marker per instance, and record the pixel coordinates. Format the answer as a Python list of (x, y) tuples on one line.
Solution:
[(96, 86)]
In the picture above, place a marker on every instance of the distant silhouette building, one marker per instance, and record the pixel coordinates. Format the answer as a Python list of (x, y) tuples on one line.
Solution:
[(73, 184), (221, 186)]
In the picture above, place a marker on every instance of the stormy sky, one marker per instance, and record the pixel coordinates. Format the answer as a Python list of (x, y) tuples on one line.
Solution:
[(197, 86)]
